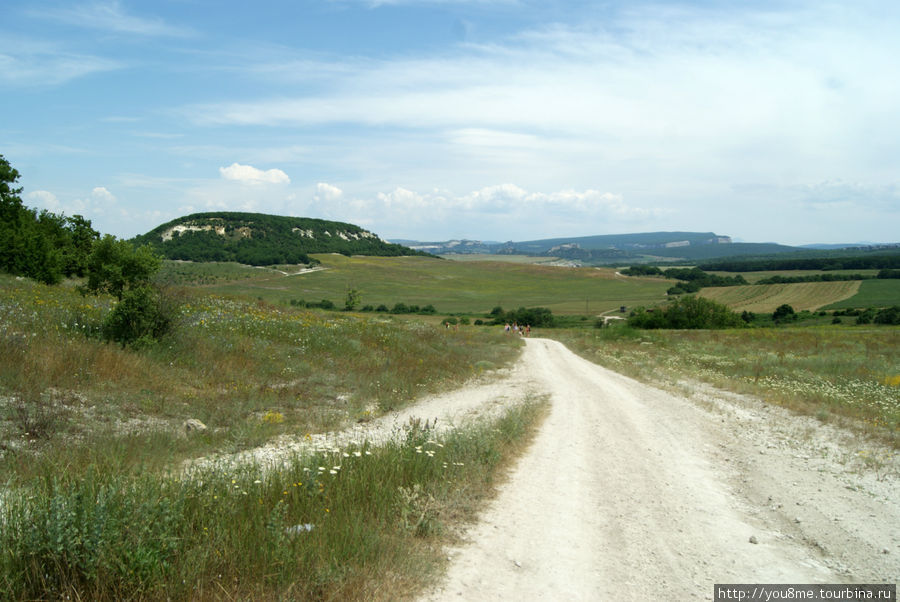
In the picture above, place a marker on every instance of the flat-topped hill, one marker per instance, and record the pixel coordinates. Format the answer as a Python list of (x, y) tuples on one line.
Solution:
[(262, 239)]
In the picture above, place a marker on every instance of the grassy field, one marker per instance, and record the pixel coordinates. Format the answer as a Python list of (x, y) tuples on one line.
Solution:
[(451, 286), (91, 432), (828, 372), (93, 505), (872, 293), (229, 364), (765, 298), (528, 259)]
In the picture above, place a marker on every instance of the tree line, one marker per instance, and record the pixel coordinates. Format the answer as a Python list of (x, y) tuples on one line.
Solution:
[(39, 244), (691, 280), (861, 262), (47, 247)]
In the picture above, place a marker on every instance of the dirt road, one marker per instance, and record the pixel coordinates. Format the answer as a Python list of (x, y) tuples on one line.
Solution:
[(632, 493)]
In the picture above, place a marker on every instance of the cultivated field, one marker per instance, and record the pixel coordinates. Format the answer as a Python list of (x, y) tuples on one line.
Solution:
[(765, 298), (452, 286), (872, 293)]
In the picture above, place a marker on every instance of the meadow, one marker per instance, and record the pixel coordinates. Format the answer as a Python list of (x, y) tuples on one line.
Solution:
[(94, 505)]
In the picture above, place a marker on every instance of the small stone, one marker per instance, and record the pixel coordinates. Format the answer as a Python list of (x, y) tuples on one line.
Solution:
[(885, 551), (797, 519), (753, 539), (517, 563), (192, 424)]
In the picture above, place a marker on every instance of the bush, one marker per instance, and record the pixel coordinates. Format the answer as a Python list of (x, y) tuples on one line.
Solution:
[(891, 315), (531, 316), (784, 313), (690, 312), (143, 315)]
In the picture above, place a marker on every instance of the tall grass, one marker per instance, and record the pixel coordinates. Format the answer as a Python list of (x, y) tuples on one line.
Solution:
[(65, 395), (822, 371), (357, 523)]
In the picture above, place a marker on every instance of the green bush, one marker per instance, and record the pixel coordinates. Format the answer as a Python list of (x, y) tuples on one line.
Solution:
[(689, 312), (890, 315), (143, 315), (784, 313)]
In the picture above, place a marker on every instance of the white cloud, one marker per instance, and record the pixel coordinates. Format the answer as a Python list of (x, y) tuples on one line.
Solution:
[(101, 194), (43, 200), (250, 174), (404, 200), (327, 192), (28, 62), (111, 17)]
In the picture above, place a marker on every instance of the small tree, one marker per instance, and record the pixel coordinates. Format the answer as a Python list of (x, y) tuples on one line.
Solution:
[(352, 300), (115, 266), (783, 313), (144, 312)]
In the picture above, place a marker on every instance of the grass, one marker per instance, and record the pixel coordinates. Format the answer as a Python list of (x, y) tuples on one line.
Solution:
[(452, 286), (820, 371), (65, 394), (92, 507), (872, 293), (361, 523)]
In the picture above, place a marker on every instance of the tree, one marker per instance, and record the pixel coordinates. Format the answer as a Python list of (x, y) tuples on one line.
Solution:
[(40, 245), (783, 313), (352, 300), (115, 266)]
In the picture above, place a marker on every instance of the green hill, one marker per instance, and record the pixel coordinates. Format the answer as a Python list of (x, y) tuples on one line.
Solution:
[(261, 239)]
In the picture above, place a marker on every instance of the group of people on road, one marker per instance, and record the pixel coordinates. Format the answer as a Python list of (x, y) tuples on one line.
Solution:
[(523, 331)]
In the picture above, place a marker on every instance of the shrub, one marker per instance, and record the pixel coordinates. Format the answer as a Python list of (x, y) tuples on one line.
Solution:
[(890, 315), (689, 312), (142, 316), (784, 313)]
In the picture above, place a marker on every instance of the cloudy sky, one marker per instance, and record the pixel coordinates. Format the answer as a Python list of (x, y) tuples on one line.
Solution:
[(438, 119)]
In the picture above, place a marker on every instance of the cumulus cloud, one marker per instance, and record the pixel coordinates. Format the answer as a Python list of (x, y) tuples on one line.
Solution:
[(327, 192), (100, 193), (43, 199), (252, 175)]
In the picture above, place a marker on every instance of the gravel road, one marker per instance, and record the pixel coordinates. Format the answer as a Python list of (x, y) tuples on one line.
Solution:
[(632, 493)]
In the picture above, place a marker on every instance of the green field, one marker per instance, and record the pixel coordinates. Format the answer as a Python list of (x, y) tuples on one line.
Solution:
[(451, 286), (872, 293)]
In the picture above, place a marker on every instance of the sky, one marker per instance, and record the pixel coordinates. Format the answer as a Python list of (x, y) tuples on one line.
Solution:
[(766, 121)]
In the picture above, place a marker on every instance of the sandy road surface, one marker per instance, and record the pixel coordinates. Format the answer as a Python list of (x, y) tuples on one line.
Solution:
[(631, 493)]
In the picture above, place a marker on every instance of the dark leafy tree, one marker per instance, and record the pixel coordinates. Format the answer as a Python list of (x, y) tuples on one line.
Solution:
[(40, 245), (688, 312), (115, 266), (784, 313)]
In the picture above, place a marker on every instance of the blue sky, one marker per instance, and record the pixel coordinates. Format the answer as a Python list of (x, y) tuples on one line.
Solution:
[(439, 119)]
